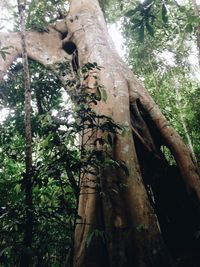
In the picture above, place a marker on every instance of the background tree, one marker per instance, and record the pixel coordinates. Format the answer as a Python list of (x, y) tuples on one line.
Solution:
[(165, 46)]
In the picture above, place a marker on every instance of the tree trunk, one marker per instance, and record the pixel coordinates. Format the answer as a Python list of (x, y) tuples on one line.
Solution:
[(197, 13), (25, 260), (184, 125), (125, 220)]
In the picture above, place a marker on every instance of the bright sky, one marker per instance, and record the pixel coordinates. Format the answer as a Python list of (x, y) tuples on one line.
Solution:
[(117, 39), (7, 24)]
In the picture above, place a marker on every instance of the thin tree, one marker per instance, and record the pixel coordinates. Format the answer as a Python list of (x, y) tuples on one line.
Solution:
[(197, 13), (28, 229)]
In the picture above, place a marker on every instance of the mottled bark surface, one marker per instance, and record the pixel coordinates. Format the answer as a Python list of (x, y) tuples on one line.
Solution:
[(127, 218), (131, 208), (25, 259)]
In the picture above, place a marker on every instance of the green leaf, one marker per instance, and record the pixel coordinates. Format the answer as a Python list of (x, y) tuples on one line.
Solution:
[(104, 96), (182, 9), (7, 249), (98, 94), (89, 239), (111, 162), (95, 233), (149, 29), (124, 131), (140, 227), (136, 21), (3, 51), (6, 47), (130, 13), (3, 55), (193, 19), (90, 66), (189, 28), (141, 33), (164, 14), (124, 168), (17, 188)]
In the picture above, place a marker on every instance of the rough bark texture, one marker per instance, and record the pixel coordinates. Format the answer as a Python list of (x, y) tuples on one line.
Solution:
[(127, 218), (131, 208), (28, 227), (45, 48)]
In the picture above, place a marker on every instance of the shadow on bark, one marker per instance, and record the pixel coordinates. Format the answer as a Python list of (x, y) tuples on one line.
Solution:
[(178, 214)]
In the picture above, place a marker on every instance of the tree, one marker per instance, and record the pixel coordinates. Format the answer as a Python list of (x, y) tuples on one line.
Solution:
[(161, 39), (197, 13), (28, 179), (116, 225), (53, 198)]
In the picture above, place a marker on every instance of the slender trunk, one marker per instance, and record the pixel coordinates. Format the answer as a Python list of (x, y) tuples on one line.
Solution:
[(28, 230), (184, 124), (197, 13)]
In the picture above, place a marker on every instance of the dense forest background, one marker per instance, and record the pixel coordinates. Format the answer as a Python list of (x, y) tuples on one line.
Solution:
[(161, 43)]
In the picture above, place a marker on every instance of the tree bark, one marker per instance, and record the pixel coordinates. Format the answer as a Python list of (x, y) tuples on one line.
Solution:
[(125, 216), (128, 218), (29, 221), (197, 13), (45, 48)]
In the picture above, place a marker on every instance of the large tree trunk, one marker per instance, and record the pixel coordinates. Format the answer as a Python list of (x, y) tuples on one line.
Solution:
[(125, 217), (128, 219)]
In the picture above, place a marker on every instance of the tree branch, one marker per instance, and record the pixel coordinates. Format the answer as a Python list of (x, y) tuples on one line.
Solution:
[(174, 142), (45, 48)]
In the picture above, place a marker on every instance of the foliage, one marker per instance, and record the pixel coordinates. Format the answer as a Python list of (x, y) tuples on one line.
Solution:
[(152, 16), (161, 60), (40, 13), (4, 52), (50, 209), (59, 160)]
